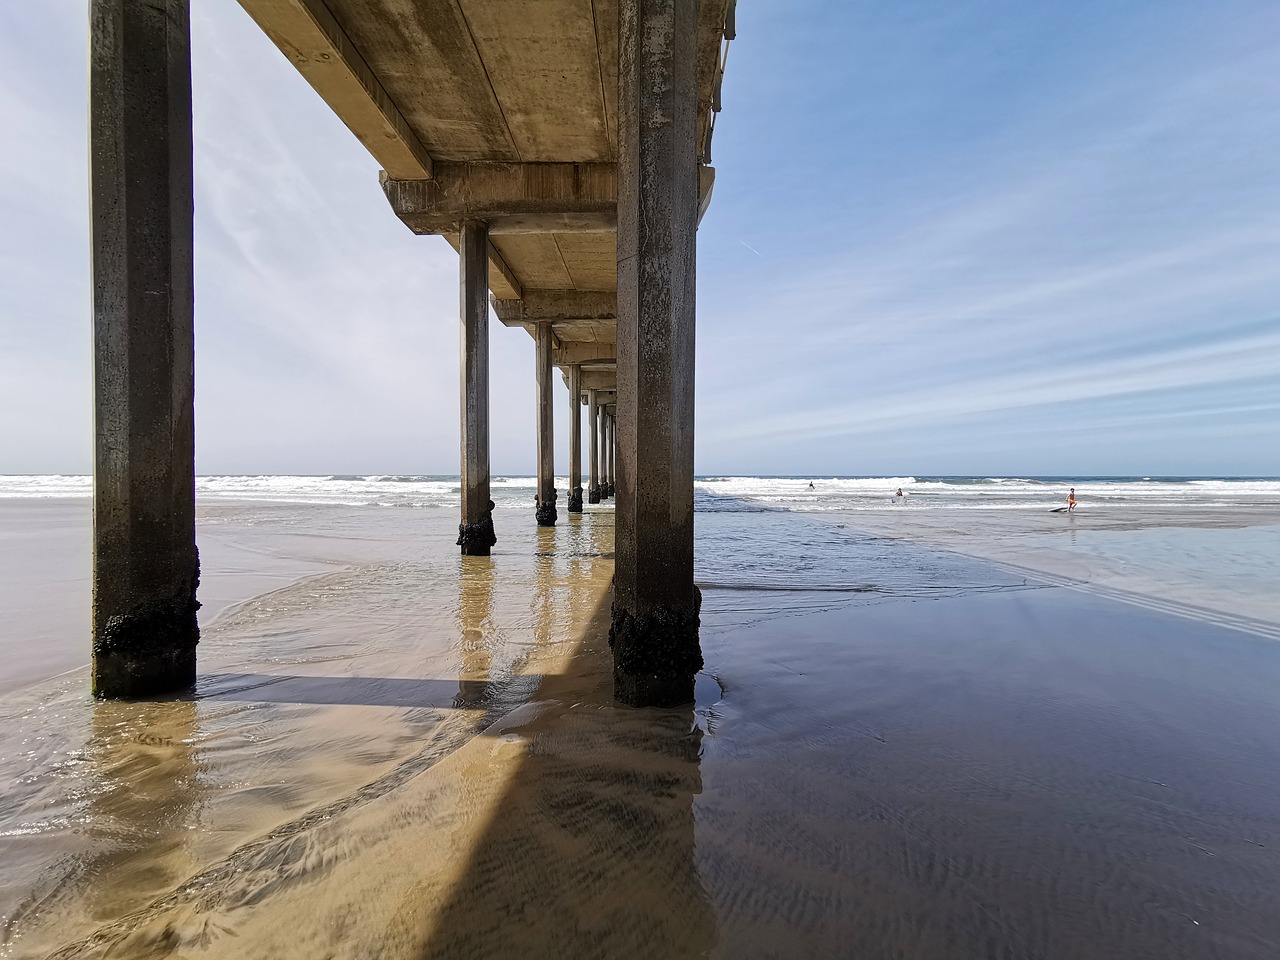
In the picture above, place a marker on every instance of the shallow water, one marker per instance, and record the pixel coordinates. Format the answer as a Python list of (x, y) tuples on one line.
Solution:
[(1215, 563), (896, 751), (1029, 773), (312, 698)]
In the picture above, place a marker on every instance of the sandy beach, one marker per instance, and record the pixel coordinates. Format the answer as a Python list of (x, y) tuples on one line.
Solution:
[(897, 750)]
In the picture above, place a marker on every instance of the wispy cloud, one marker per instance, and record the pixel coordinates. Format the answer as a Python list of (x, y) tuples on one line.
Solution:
[(1131, 253), (930, 237)]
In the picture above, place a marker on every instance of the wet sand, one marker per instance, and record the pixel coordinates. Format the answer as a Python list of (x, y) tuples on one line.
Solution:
[(1026, 773), (46, 568), (419, 758)]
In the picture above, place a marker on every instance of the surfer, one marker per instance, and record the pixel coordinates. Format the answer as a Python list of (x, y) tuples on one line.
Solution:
[(900, 497), (1071, 500), (810, 484)]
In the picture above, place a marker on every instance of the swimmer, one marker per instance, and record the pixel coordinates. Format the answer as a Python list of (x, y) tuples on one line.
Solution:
[(1071, 500)]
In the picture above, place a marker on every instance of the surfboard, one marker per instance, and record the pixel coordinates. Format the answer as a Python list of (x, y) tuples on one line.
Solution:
[(1058, 510)]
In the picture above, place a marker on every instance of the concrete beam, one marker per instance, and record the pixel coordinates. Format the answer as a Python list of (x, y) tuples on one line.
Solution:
[(706, 184), (538, 305), (712, 23), (570, 353), (599, 379), (504, 271), (582, 331), (510, 197), (517, 197), (307, 33)]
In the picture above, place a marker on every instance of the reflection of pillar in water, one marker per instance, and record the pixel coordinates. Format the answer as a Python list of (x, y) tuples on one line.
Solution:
[(146, 797), (475, 608), (544, 627)]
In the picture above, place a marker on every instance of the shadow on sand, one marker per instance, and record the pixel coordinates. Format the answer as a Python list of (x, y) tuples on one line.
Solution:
[(349, 691), (590, 851)]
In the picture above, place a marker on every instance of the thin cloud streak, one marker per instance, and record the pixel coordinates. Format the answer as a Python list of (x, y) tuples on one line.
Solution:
[(1189, 367), (976, 244)]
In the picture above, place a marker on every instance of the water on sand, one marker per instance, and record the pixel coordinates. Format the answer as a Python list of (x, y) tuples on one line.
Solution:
[(896, 752)]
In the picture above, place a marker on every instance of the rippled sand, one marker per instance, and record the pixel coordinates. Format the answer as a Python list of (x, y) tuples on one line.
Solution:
[(895, 752)]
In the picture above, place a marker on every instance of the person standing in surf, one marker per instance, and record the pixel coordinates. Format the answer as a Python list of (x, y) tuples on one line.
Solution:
[(1071, 500)]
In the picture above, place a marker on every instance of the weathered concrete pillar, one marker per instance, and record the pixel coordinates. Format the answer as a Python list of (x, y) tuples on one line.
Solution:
[(609, 421), (546, 432), (654, 634), (593, 454), (606, 488), (606, 491), (145, 564), (575, 439), (475, 533)]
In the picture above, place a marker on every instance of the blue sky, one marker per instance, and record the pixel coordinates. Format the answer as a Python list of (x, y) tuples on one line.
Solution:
[(990, 237)]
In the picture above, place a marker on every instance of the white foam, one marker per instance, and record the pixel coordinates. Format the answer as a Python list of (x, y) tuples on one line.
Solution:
[(793, 493)]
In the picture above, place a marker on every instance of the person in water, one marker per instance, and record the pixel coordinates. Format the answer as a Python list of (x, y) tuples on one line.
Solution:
[(810, 484), (900, 495), (1071, 500)]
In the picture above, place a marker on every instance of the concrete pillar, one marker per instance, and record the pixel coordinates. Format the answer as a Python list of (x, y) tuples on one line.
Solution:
[(546, 511), (475, 533), (593, 454), (654, 633), (606, 490), (610, 422), (575, 439), (145, 564)]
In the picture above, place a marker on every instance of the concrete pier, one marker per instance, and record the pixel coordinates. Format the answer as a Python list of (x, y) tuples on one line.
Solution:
[(575, 438), (593, 456), (606, 490), (476, 535), (546, 511), (145, 564), (568, 156), (654, 632), (610, 420)]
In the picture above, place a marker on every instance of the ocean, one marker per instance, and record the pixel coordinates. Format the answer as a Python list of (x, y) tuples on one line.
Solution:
[(827, 494), (1195, 543), (952, 724)]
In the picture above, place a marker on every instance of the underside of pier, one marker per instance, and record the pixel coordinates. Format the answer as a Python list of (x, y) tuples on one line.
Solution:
[(563, 148)]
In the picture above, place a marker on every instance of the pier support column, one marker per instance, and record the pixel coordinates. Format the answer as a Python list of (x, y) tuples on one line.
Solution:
[(610, 421), (593, 454), (475, 533), (654, 634), (145, 564), (546, 432), (575, 439), (603, 440)]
